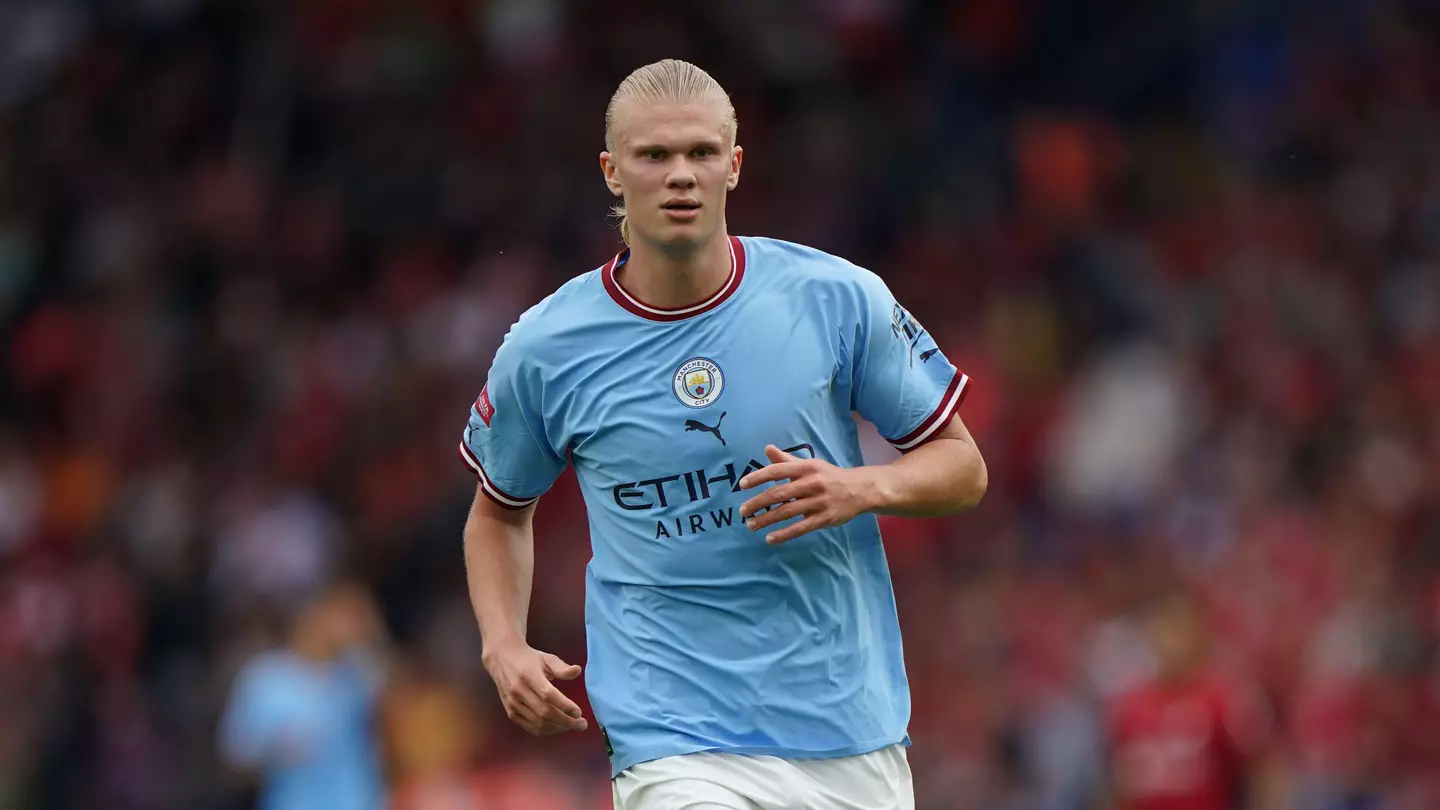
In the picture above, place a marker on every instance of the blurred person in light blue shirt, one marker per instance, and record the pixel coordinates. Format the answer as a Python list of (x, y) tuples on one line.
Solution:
[(299, 718)]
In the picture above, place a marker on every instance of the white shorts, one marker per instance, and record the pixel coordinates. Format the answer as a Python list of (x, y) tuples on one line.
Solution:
[(879, 780)]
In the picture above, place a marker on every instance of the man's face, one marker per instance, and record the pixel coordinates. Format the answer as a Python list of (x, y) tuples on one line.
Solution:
[(1177, 634), (674, 166)]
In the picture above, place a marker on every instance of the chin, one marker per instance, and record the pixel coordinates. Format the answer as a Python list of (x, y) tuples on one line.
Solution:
[(679, 238)]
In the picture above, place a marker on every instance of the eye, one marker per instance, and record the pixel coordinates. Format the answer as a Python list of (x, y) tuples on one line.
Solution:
[(655, 154), (702, 151)]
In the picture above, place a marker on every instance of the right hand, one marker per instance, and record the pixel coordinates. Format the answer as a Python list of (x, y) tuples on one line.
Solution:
[(523, 676)]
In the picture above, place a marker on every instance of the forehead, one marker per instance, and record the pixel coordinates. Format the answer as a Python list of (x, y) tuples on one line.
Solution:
[(665, 123)]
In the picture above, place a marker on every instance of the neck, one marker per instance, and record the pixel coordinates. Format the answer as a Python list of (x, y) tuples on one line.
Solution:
[(671, 279)]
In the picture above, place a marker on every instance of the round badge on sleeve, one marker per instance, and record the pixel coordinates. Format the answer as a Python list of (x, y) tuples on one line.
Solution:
[(698, 382)]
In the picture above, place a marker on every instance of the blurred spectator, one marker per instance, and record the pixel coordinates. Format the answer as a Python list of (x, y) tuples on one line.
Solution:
[(1191, 738), (441, 760), (301, 717)]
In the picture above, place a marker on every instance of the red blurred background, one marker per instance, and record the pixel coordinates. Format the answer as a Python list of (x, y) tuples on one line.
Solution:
[(255, 258)]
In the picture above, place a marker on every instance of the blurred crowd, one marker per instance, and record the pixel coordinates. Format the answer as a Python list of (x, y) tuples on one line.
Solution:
[(255, 258)]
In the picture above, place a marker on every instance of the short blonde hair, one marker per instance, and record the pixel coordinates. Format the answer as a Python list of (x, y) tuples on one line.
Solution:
[(669, 81)]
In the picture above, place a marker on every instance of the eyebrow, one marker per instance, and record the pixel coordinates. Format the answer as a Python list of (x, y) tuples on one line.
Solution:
[(712, 143)]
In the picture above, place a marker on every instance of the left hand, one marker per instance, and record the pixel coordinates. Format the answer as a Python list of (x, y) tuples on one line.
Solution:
[(824, 494)]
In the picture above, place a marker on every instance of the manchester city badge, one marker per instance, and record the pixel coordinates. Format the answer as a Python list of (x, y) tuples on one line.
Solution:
[(698, 382)]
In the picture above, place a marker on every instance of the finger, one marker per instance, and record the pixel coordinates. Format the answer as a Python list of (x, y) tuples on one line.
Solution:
[(777, 494), (772, 472), (550, 705), (525, 716), (782, 513), (789, 533), (556, 668), (557, 699), (547, 714), (777, 455), (522, 716), (563, 722), (539, 726)]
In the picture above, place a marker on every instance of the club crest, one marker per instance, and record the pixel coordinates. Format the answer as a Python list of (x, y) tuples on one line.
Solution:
[(698, 382)]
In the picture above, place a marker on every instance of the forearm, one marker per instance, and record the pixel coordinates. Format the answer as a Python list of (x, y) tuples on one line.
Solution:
[(499, 564), (941, 477)]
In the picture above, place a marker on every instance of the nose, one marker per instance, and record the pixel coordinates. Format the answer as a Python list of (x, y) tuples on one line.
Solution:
[(681, 175)]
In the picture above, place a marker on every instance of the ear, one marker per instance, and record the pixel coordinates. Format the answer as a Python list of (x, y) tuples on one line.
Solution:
[(607, 166), (736, 155)]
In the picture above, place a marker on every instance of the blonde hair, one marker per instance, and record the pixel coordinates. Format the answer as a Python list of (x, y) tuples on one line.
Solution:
[(669, 81)]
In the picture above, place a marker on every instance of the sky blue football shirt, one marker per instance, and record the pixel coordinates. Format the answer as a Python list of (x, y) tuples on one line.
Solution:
[(700, 635)]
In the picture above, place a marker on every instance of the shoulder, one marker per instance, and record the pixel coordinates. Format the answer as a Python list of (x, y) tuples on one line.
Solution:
[(265, 672), (812, 271), (1229, 691), (539, 329), (574, 300), (1135, 700), (799, 262)]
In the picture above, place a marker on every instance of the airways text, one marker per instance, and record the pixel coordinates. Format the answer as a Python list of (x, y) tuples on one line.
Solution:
[(691, 486)]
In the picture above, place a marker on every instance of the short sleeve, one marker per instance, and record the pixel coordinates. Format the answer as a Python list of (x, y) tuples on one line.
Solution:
[(504, 442), (903, 383)]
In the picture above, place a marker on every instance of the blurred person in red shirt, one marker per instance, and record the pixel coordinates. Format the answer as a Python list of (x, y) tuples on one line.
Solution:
[(1186, 738)]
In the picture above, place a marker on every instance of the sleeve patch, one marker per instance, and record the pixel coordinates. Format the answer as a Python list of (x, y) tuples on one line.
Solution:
[(483, 406), (906, 329)]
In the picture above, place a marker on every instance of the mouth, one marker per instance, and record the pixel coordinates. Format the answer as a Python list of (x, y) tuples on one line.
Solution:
[(681, 210)]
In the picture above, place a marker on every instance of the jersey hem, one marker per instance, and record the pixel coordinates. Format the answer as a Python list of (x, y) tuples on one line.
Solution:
[(644, 755)]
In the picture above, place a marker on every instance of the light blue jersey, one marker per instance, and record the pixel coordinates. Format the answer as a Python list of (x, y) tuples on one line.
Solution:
[(700, 635), (306, 728)]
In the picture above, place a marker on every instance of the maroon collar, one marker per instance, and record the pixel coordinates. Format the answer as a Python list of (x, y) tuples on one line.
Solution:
[(644, 310)]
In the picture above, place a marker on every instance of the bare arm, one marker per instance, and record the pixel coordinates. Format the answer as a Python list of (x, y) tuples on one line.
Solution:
[(942, 476), (499, 569), (499, 566)]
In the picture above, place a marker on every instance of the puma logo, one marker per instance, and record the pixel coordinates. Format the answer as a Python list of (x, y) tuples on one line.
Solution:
[(927, 354), (692, 424)]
